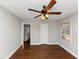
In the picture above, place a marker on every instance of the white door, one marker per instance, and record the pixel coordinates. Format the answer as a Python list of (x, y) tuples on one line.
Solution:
[(43, 33)]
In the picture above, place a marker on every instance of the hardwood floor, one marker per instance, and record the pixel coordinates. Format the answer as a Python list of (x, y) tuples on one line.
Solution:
[(42, 52)]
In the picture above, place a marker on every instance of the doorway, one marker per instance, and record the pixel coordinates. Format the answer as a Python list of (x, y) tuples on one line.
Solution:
[(26, 35)]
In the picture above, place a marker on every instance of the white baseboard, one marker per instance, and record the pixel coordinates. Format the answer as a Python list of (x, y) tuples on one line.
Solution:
[(52, 44), (69, 51), (13, 52), (35, 44), (47, 44)]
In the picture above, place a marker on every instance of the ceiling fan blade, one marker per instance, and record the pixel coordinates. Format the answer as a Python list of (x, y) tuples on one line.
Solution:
[(38, 15), (34, 10), (50, 5), (57, 13)]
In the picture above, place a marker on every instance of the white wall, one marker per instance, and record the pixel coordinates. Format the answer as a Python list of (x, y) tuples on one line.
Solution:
[(72, 46), (35, 34), (35, 31), (44, 33), (53, 32), (10, 34)]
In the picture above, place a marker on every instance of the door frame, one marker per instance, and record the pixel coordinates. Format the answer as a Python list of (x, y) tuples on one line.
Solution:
[(22, 33)]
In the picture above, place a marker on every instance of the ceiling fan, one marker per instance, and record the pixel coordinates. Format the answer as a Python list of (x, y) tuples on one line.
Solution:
[(45, 11)]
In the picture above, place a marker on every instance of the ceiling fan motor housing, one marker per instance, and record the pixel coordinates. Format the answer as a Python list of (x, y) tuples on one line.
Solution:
[(44, 7), (44, 11)]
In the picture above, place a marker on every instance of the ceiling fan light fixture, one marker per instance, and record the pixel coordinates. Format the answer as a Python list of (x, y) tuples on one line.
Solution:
[(45, 16)]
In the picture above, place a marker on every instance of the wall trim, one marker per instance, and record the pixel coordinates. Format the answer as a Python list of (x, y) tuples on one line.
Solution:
[(46, 44), (69, 51), (52, 43), (35, 43), (13, 52)]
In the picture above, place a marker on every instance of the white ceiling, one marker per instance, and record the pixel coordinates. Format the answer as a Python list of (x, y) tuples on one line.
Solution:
[(20, 7)]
